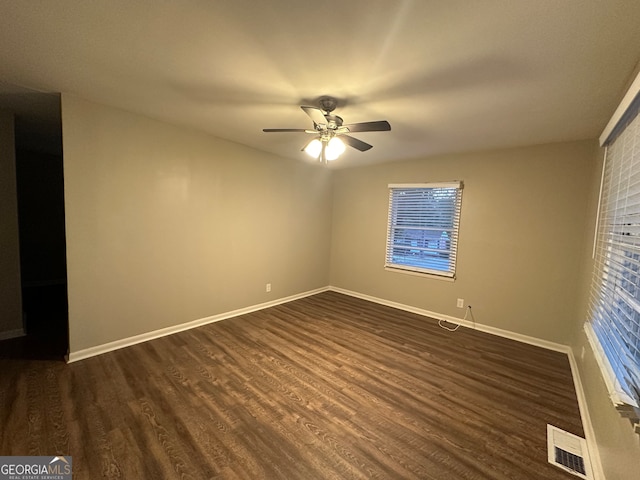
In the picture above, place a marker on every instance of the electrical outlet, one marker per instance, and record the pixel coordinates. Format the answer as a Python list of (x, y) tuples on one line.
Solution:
[(268, 287), (460, 303)]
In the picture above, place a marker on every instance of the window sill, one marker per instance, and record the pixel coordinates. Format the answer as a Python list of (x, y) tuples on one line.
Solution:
[(625, 405), (420, 274)]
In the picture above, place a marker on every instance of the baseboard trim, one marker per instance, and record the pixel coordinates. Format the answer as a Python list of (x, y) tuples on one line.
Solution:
[(582, 403), (9, 334), (589, 433), (465, 323), (145, 337)]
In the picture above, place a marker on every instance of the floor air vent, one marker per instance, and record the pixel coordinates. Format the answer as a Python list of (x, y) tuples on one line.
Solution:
[(568, 452)]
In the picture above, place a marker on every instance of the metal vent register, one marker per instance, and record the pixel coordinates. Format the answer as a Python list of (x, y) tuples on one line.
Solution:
[(568, 452)]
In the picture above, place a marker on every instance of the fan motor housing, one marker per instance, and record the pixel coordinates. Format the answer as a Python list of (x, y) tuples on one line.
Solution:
[(328, 104), (334, 121)]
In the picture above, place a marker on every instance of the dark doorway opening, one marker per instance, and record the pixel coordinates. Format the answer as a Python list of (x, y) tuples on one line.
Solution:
[(40, 181), (41, 222), (37, 130)]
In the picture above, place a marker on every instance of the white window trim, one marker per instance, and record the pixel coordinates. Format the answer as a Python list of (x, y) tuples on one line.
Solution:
[(456, 184), (406, 271), (617, 120), (618, 397), (423, 272), (621, 401)]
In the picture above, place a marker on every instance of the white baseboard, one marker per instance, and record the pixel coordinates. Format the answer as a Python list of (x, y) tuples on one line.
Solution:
[(465, 323), (144, 337), (589, 433), (125, 342), (584, 412), (18, 332)]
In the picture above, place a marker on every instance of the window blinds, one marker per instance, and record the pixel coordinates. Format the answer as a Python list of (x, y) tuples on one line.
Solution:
[(615, 298), (422, 234)]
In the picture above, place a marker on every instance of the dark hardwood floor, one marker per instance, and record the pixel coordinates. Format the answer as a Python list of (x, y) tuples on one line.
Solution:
[(327, 387)]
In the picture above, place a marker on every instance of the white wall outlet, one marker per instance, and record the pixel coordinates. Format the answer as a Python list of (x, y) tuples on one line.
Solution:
[(268, 287), (460, 303)]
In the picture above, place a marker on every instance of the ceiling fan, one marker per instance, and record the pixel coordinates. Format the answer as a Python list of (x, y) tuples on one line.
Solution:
[(326, 146)]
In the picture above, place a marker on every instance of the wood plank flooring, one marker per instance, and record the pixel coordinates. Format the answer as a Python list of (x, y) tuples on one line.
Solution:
[(327, 387)]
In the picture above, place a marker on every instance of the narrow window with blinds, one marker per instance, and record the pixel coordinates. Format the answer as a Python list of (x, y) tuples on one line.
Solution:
[(615, 298), (422, 230)]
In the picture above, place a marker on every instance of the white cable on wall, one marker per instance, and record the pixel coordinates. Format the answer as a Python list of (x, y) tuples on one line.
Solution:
[(457, 325)]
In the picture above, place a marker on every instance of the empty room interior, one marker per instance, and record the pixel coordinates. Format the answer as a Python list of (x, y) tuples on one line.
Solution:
[(447, 288)]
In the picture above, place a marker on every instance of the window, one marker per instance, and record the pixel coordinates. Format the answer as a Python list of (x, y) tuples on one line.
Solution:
[(614, 327), (422, 233)]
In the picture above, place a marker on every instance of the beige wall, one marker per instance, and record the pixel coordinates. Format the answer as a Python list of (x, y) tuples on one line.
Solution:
[(10, 293), (165, 225), (521, 235), (619, 447)]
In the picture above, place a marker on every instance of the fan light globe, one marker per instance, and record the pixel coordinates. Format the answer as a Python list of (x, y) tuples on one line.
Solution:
[(335, 148), (313, 148)]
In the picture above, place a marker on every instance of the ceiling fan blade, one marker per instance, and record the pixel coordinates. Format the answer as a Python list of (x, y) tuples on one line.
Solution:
[(284, 130), (355, 143), (315, 114), (378, 126)]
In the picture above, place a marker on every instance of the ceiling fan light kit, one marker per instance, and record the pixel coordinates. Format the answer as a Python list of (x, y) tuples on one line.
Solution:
[(313, 148), (332, 148), (335, 148), (328, 127)]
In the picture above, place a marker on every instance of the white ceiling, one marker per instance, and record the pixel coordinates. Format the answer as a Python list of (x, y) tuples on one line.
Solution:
[(450, 76)]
